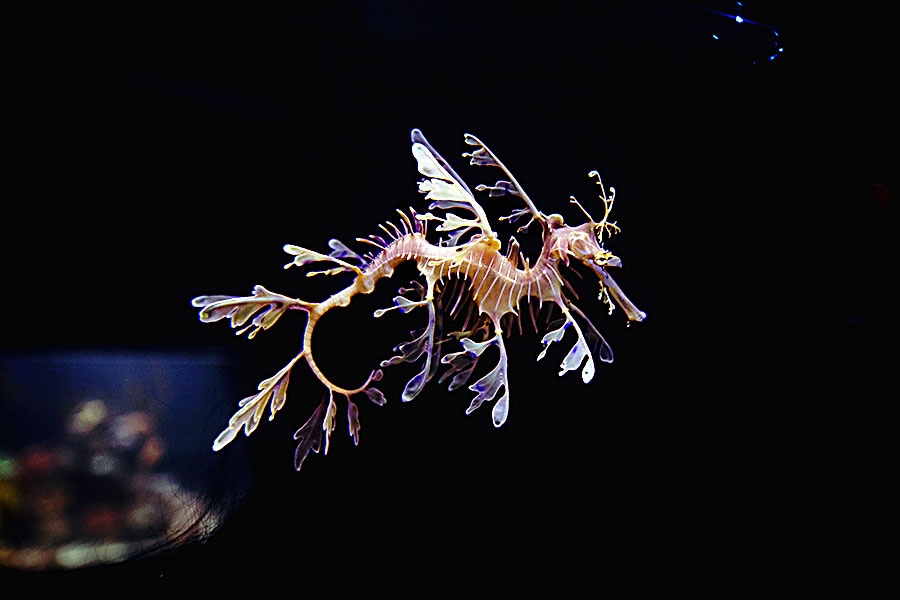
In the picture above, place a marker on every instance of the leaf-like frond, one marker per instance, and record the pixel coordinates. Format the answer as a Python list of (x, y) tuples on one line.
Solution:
[(440, 164), (445, 194), (309, 436), (304, 256), (579, 352), (328, 422), (483, 157), (353, 421), (598, 345), (376, 396), (409, 351), (554, 335), (501, 188), (452, 223), (422, 344), (444, 187), (272, 392), (489, 386), (239, 309), (401, 303), (462, 365), (340, 250)]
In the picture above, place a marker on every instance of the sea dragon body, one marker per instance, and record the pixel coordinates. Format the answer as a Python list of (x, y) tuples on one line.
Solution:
[(495, 283)]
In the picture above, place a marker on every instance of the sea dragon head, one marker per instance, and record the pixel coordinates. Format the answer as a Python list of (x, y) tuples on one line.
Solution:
[(585, 243)]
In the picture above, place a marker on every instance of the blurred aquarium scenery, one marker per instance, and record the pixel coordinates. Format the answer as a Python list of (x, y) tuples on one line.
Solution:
[(105, 455)]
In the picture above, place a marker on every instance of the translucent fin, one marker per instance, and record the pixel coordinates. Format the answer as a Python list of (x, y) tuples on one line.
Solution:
[(600, 349), (329, 421), (444, 187), (272, 392), (414, 386), (580, 352), (341, 251), (239, 309), (309, 436), (376, 396), (483, 157), (404, 304), (417, 137), (409, 351), (421, 344), (353, 421), (453, 223), (401, 303), (303, 256), (462, 365), (488, 386)]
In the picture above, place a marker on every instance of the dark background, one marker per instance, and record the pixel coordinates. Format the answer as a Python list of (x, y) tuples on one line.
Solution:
[(164, 151)]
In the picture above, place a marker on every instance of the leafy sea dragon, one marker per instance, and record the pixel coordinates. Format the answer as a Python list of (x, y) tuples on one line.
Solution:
[(466, 269)]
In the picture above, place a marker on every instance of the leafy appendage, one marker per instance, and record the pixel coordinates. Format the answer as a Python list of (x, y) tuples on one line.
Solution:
[(353, 421), (272, 392), (462, 365), (376, 396), (516, 214), (320, 423), (453, 223), (488, 386), (446, 190), (239, 309), (340, 251), (409, 351), (303, 256), (422, 342), (404, 304), (401, 303), (579, 352), (309, 436), (599, 348), (373, 393), (328, 422), (501, 188), (483, 157)]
